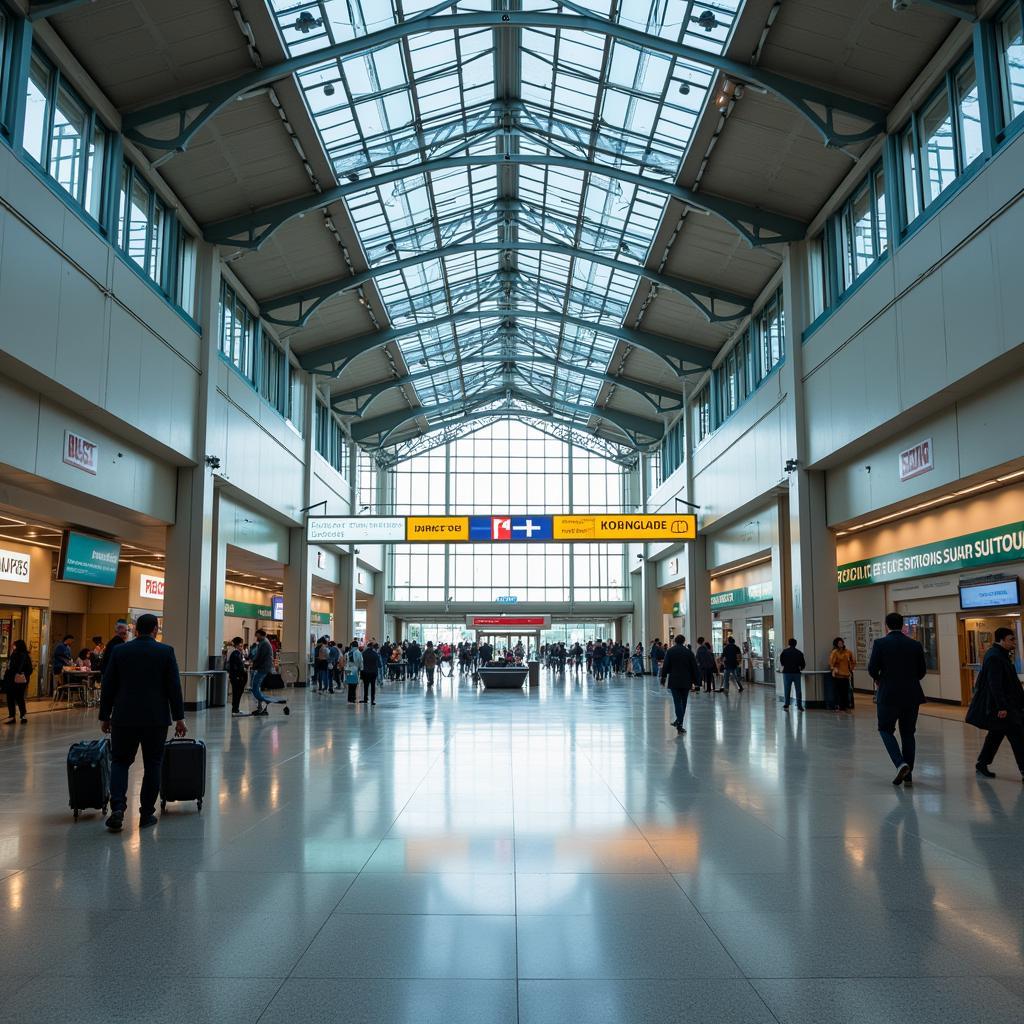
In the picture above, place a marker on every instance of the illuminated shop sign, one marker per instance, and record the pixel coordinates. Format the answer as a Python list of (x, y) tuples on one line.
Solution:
[(972, 550), (15, 566), (742, 595)]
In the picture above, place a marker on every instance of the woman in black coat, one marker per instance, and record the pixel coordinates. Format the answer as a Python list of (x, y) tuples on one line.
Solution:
[(16, 677), (998, 703)]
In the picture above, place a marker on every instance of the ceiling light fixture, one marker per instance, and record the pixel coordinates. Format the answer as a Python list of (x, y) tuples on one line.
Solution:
[(728, 91), (329, 89)]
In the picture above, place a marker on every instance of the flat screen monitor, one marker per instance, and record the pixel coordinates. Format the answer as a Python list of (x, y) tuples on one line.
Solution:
[(87, 559), (990, 594), (277, 608)]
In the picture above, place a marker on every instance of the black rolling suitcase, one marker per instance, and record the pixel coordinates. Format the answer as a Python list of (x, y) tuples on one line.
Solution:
[(183, 773), (89, 776)]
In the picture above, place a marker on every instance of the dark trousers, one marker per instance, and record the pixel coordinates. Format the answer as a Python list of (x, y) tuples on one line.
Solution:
[(352, 687), (708, 675), (125, 741), (837, 692), (905, 716), (370, 686), (679, 698), (430, 675), (237, 689), (993, 740), (16, 699)]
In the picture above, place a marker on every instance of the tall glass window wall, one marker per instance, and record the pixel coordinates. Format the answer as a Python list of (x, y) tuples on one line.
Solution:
[(507, 466)]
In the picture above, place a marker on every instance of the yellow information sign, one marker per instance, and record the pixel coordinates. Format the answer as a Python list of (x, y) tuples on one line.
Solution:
[(625, 527), (441, 529)]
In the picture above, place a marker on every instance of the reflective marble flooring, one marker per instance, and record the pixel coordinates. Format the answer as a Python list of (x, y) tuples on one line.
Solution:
[(559, 856)]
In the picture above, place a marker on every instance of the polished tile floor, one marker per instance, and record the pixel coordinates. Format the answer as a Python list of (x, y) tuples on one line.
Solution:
[(557, 856)]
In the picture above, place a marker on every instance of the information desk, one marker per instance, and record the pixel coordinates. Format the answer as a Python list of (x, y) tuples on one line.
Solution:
[(204, 689), (511, 677)]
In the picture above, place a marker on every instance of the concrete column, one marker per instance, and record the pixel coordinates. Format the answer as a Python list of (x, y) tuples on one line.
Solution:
[(345, 599), (298, 595), (697, 595), (807, 598), (375, 625), (218, 572), (190, 541)]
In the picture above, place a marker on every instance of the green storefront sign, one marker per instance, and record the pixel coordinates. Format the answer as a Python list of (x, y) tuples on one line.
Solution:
[(753, 594), (971, 551), (246, 610), (677, 610)]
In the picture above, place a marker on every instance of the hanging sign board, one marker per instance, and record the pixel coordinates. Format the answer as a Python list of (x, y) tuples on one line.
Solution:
[(499, 529), (508, 621)]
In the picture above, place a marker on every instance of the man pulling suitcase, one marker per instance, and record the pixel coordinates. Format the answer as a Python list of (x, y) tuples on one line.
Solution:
[(140, 694)]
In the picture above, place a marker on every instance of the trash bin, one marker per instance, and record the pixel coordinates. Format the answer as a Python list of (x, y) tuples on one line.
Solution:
[(534, 670), (217, 690)]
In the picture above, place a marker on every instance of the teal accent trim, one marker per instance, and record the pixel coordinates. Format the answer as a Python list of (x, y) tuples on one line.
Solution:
[(824, 317)]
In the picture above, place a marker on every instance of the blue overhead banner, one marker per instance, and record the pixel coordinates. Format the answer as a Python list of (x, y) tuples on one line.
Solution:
[(518, 528)]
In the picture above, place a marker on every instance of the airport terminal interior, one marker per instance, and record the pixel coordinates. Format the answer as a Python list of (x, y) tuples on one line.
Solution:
[(439, 380)]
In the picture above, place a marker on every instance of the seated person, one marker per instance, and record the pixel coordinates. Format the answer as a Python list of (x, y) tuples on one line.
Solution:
[(83, 663)]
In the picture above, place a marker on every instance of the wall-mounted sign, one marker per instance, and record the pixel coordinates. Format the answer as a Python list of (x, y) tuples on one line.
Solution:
[(742, 595), (320, 618), (151, 587), (499, 529), (321, 560), (80, 452), (916, 460), (88, 559), (673, 567), (15, 565), (508, 621), (277, 608), (506, 599), (991, 594), (247, 610), (987, 547), (677, 610)]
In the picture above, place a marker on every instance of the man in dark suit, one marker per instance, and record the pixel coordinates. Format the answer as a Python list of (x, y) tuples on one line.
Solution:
[(141, 692), (679, 669), (897, 666)]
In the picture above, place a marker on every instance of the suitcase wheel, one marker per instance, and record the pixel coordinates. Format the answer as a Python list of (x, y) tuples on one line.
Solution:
[(163, 806), (199, 805)]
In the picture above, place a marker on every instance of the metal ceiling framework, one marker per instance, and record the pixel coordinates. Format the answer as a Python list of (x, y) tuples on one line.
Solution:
[(506, 171), (965, 9), (211, 100)]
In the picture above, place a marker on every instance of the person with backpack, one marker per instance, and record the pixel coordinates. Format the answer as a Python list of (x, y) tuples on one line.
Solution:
[(371, 668), (997, 706), (237, 674), (353, 669), (320, 664)]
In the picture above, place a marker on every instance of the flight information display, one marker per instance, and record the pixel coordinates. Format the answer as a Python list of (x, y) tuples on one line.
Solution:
[(544, 529)]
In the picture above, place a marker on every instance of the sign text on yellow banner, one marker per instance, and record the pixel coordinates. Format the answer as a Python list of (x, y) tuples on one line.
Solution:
[(443, 529)]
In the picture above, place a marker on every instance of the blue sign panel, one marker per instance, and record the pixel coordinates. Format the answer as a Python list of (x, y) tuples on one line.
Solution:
[(277, 607), (510, 528), (86, 559)]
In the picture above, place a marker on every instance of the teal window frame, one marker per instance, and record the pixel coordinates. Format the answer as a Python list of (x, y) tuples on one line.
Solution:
[(1007, 118), (330, 440), (87, 189)]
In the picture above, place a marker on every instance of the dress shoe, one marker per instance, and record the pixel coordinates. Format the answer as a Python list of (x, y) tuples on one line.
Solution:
[(680, 730), (983, 769), (908, 782), (148, 821), (115, 822), (785, 707), (901, 773)]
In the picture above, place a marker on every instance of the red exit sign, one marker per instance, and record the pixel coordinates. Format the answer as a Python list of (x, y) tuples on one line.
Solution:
[(917, 460)]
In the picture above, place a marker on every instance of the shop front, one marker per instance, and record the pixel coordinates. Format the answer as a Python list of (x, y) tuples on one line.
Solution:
[(742, 607), (24, 605), (954, 574)]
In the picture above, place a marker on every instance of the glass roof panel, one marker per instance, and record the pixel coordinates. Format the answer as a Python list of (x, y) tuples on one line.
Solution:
[(454, 96)]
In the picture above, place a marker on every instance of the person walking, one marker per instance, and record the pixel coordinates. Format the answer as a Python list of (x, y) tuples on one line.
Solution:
[(705, 658), (120, 636), (731, 661), (262, 665), (679, 672), (997, 705), (430, 662), (353, 668), (320, 664), (897, 666), (139, 696), (16, 677), (333, 659), (839, 682), (237, 673), (371, 667), (792, 662)]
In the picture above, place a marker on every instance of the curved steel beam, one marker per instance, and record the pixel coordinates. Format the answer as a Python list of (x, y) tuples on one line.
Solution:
[(212, 99), (386, 424), (704, 296), (251, 230), (48, 8), (966, 9), (363, 397), (682, 356)]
